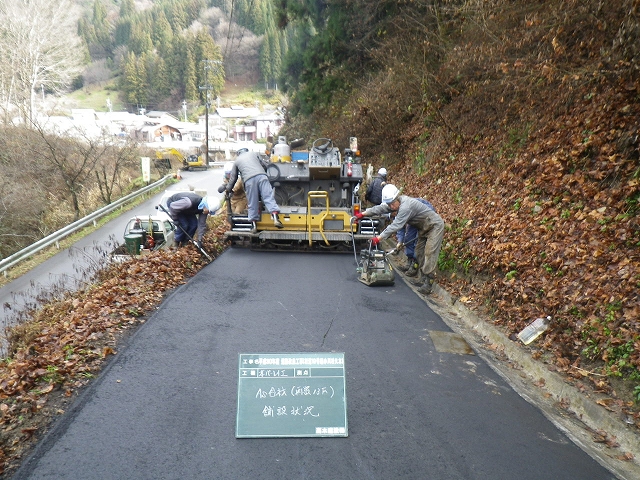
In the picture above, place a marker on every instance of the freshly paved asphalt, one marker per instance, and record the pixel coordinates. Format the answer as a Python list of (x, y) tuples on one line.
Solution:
[(165, 406)]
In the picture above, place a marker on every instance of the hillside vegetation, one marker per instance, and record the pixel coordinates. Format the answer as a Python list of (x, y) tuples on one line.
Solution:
[(519, 122)]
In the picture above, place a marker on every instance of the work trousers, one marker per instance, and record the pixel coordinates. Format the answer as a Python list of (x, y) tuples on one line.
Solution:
[(408, 235), (188, 222), (259, 187), (428, 246)]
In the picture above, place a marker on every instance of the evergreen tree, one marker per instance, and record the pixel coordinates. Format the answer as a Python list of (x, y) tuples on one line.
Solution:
[(241, 9), (284, 49), (122, 33), (176, 65), (258, 18), (142, 94), (193, 9), (127, 8), (130, 83), (276, 59), (266, 59), (157, 80), (102, 43), (162, 33), (140, 40), (206, 52), (86, 31), (96, 31), (191, 92), (176, 15)]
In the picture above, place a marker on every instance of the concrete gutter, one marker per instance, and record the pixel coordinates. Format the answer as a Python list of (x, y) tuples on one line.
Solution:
[(573, 412)]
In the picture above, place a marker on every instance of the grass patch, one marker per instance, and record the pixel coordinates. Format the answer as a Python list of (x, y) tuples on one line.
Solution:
[(95, 96)]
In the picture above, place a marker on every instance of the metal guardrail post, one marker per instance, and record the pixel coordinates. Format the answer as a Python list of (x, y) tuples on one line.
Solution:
[(55, 237)]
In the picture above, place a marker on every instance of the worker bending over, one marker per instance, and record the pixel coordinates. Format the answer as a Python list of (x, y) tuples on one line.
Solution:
[(189, 211), (430, 228)]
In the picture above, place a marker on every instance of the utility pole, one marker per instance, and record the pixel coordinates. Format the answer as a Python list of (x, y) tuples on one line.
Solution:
[(184, 108), (215, 66)]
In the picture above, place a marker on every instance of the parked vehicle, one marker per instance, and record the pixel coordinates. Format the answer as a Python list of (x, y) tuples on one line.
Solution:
[(194, 161), (144, 234)]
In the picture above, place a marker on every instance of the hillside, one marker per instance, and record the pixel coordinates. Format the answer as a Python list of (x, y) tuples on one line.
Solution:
[(520, 124)]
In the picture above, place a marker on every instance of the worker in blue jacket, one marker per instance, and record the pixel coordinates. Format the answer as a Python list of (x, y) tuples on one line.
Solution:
[(189, 211)]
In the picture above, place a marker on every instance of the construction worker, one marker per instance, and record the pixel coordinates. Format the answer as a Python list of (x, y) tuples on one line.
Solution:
[(374, 191), (430, 231), (238, 196), (268, 150), (407, 237), (252, 168), (189, 212)]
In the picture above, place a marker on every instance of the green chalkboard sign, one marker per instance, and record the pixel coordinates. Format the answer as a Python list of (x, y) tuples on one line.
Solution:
[(291, 395)]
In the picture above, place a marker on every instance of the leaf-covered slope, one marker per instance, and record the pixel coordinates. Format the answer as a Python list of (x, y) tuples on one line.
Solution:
[(519, 122)]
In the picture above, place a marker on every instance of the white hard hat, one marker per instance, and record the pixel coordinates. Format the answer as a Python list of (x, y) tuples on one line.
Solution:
[(383, 172), (389, 193), (228, 167)]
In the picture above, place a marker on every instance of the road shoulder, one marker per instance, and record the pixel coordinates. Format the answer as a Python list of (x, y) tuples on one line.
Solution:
[(600, 433)]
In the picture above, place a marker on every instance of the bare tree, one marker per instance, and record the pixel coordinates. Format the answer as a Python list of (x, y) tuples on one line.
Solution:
[(26, 188), (73, 160), (112, 163), (39, 51)]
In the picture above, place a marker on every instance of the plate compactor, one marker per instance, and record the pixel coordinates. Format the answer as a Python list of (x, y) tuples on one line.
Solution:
[(374, 268)]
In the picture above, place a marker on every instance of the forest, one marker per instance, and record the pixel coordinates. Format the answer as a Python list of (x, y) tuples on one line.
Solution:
[(150, 55), (160, 51)]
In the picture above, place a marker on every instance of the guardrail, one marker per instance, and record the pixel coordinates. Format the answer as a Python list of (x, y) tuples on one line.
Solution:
[(55, 237)]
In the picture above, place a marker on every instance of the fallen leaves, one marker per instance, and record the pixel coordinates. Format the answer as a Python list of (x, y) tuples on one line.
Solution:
[(553, 225), (66, 342)]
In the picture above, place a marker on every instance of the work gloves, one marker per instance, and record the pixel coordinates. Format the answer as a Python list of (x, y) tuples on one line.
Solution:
[(375, 241), (356, 217)]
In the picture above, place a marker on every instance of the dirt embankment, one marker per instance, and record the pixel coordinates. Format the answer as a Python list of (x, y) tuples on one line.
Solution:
[(521, 126)]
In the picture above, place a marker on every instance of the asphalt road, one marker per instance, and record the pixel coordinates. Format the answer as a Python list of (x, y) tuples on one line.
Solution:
[(67, 269), (165, 406)]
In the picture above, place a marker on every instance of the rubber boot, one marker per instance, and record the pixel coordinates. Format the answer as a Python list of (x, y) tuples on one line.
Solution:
[(276, 221), (404, 267), (418, 280), (413, 270), (427, 286)]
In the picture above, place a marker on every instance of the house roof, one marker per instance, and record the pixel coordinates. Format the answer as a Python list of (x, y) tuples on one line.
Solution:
[(159, 114), (77, 113), (238, 112), (270, 116)]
